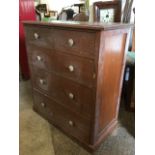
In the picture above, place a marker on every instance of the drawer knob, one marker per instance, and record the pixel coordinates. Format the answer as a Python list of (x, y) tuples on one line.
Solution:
[(71, 123), (39, 58), (43, 104), (71, 96), (42, 81), (71, 68), (36, 35), (70, 42)]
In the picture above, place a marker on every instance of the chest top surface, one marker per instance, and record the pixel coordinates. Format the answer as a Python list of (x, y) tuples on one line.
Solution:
[(81, 25)]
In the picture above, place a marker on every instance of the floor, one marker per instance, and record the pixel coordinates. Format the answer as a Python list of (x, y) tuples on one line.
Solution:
[(38, 137)]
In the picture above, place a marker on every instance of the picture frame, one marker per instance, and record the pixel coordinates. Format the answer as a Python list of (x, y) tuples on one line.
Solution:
[(110, 9)]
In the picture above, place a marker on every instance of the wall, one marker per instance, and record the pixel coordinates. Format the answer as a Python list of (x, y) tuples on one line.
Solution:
[(58, 5)]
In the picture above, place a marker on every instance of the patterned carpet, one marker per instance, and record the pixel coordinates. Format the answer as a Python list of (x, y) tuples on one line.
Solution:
[(38, 137)]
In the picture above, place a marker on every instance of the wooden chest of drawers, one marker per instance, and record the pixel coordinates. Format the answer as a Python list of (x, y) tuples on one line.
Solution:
[(76, 73)]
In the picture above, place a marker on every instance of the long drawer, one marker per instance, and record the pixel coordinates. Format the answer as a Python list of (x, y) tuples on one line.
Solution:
[(61, 117), (76, 97), (80, 43), (76, 68)]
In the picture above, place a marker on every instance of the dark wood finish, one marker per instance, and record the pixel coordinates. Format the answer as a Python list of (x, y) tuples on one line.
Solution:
[(54, 113), (116, 5), (95, 83), (59, 40), (111, 56), (80, 41), (45, 37), (79, 25), (52, 61), (59, 88)]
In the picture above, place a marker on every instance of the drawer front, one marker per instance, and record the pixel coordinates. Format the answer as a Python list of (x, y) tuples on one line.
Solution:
[(61, 117), (75, 42), (68, 93), (72, 67), (39, 36)]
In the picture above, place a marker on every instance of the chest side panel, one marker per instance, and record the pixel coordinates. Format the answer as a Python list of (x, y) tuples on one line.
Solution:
[(110, 71)]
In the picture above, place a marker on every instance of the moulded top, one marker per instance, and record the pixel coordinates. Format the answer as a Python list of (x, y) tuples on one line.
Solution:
[(81, 25)]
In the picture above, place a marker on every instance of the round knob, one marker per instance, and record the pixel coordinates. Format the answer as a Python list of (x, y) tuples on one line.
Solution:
[(70, 42), (71, 96), (94, 76), (36, 35), (42, 81), (43, 104), (71, 123), (71, 68), (39, 58)]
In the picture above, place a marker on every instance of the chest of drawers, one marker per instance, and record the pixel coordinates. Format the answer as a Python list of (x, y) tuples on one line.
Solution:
[(76, 73)]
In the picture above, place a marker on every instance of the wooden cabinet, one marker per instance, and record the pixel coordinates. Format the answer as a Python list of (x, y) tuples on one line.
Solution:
[(76, 72)]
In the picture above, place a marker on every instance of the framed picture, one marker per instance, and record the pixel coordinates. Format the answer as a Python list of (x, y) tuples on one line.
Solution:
[(107, 11)]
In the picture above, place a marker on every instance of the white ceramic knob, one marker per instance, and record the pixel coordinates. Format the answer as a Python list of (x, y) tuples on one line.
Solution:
[(71, 96), (70, 42), (36, 35), (71, 68), (71, 123), (39, 58), (43, 104), (42, 81)]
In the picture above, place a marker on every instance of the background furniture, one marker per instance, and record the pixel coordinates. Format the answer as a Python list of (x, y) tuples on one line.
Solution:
[(80, 6), (128, 93), (81, 17), (102, 5), (41, 10), (53, 13), (127, 11), (66, 14), (75, 85), (26, 12)]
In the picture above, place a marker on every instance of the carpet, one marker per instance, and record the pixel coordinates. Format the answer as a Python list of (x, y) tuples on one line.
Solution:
[(35, 134)]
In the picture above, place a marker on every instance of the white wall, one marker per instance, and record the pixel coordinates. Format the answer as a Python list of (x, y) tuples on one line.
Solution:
[(59, 4)]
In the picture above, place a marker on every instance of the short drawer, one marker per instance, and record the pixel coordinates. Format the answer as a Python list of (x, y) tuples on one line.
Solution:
[(78, 69), (61, 117), (39, 36), (75, 42), (74, 96)]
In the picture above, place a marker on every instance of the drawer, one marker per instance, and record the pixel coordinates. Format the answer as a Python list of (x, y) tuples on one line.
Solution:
[(77, 98), (61, 117), (78, 69), (39, 36), (75, 42)]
